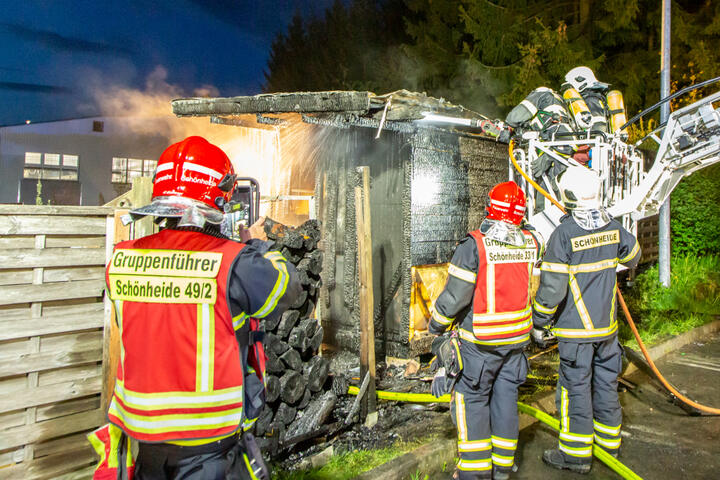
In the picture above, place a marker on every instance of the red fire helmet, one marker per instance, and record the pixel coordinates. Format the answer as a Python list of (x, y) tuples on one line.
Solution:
[(507, 203), (195, 169)]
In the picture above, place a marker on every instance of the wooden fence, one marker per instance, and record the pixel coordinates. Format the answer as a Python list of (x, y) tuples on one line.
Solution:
[(52, 322)]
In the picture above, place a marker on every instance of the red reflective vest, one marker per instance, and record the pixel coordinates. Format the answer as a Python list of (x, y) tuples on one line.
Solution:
[(502, 313), (116, 459), (180, 376)]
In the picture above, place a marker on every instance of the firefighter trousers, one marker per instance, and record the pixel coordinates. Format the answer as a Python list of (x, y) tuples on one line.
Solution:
[(587, 398), (485, 409), (216, 461)]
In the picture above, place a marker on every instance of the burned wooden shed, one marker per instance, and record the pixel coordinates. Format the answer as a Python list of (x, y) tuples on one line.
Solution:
[(431, 168)]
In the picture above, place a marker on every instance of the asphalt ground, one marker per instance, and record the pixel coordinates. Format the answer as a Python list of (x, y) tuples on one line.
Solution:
[(660, 440)]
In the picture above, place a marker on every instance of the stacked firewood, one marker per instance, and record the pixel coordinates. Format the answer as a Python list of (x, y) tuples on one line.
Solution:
[(298, 392)]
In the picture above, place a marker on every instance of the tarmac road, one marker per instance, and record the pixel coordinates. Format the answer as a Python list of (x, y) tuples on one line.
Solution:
[(660, 440)]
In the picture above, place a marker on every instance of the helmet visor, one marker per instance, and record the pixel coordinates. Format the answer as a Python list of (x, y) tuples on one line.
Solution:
[(190, 212)]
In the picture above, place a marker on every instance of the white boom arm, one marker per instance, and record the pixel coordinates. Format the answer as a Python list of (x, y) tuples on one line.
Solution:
[(690, 141)]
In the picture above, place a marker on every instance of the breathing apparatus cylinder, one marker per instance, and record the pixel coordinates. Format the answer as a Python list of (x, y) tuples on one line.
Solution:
[(616, 110), (577, 106)]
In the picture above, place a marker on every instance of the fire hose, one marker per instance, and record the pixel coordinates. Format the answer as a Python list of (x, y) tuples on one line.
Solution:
[(679, 396), (601, 454)]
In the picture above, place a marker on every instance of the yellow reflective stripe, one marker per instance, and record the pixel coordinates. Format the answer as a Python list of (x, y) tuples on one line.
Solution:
[(564, 418), (576, 452), (576, 437), (515, 327), (204, 361), (119, 317), (612, 303), (474, 446), (473, 465), (543, 309), (583, 333), (470, 337), (606, 429), (98, 446), (460, 418), (594, 267), (173, 400), (506, 443), (280, 285), (502, 460), (248, 467), (441, 319), (490, 287), (554, 267), (462, 274), (580, 304), (504, 316), (176, 422), (614, 443), (632, 253), (239, 320), (200, 441)]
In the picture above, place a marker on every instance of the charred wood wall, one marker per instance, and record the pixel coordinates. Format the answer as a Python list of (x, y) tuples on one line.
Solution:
[(428, 189)]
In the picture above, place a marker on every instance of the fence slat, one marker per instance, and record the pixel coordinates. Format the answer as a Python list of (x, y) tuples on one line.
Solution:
[(51, 291), (55, 210), (31, 397), (50, 429), (51, 257), (37, 362), (48, 467), (50, 225)]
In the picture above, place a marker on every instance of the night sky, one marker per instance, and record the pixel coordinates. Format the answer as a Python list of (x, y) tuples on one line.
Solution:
[(54, 55)]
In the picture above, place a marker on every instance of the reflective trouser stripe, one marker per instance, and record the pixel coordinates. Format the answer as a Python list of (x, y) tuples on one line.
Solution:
[(576, 452), (599, 427), (607, 443), (460, 417), (502, 460), (576, 437), (505, 443), (473, 446), (564, 402), (474, 465)]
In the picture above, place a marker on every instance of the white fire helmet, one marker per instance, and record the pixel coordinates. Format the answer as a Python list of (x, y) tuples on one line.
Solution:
[(582, 78), (580, 188)]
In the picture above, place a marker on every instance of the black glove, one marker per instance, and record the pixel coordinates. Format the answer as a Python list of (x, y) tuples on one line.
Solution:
[(504, 136), (542, 337), (541, 165)]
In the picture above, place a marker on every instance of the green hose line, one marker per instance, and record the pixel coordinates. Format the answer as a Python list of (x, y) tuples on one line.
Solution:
[(601, 454)]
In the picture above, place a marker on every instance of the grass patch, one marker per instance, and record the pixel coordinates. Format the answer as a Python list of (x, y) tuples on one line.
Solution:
[(692, 300), (347, 465)]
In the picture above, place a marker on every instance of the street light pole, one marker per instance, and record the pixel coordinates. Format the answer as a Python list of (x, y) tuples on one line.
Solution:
[(664, 220)]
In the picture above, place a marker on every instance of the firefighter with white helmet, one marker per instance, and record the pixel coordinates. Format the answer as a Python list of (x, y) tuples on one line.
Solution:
[(582, 81), (576, 301), (191, 370), (487, 297)]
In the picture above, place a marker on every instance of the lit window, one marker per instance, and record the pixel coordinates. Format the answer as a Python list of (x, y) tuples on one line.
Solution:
[(70, 161), (125, 169), (51, 166), (52, 159), (32, 158)]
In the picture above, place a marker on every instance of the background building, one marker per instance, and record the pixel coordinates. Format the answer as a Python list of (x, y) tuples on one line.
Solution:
[(84, 161)]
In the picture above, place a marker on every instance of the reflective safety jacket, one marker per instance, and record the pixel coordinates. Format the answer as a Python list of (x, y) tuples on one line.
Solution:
[(113, 447), (488, 291), (542, 108), (578, 281), (190, 367)]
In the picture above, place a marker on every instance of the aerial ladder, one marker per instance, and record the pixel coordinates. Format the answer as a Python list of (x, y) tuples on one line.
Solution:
[(687, 142)]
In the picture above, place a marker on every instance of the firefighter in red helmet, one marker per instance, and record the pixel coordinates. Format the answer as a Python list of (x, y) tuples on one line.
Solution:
[(188, 303), (487, 298)]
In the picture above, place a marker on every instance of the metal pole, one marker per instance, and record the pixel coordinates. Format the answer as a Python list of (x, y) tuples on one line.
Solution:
[(664, 220)]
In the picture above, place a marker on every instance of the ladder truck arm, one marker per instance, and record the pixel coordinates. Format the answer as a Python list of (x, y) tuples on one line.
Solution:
[(690, 141)]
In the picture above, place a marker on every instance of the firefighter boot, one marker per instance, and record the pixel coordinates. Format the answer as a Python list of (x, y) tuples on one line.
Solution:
[(555, 459), (500, 474)]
